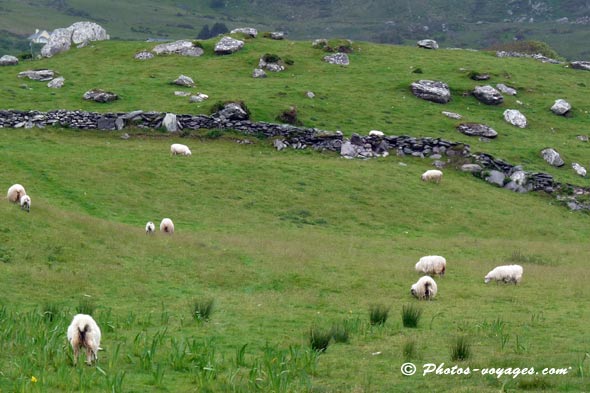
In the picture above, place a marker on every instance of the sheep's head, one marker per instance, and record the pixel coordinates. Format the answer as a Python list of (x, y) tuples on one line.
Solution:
[(413, 290), (487, 279), (188, 153)]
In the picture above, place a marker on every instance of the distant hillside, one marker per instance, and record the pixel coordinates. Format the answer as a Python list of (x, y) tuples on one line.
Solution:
[(453, 23)]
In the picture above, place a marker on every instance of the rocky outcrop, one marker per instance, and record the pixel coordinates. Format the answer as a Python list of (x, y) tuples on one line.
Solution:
[(258, 73), (181, 47), (579, 169), (515, 118), (434, 91), (338, 59), (475, 129), (561, 107), (185, 81), (248, 31), (228, 45), (61, 40), (552, 157), (488, 95), (8, 60), (98, 95), (272, 66), (580, 65), (277, 35), (144, 55), (232, 111), (537, 56), (506, 89), (427, 44), (56, 83), (38, 75)]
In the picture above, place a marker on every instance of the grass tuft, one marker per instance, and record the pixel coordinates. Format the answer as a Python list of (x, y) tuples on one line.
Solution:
[(378, 314), (409, 349), (460, 349), (340, 332), (411, 315), (86, 306), (319, 339), (202, 309)]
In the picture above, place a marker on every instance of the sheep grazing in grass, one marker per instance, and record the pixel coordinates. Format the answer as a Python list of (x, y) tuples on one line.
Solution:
[(25, 203), (177, 148), (432, 175), (425, 288), (15, 193), (83, 332), (167, 226), (150, 228), (506, 274), (432, 264)]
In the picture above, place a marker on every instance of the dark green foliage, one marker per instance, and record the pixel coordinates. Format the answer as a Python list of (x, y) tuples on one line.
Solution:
[(418, 71), (271, 58), (204, 33), (378, 314), (289, 116), (202, 309), (217, 4), (319, 339), (411, 315), (409, 349), (340, 332), (460, 349), (289, 61), (218, 28)]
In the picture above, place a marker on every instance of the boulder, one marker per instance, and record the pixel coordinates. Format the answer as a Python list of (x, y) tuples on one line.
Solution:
[(561, 107), (249, 31), (8, 60), (495, 177), (506, 89), (476, 129), (488, 95), (519, 182), (479, 77), (232, 111), (338, 59), (200, 97), (181, 47), (552, 157), (56, 83), (310, 94), (38, 75), (98, 95), (61, 40), (184, 80), (514, 117), (427, 44), (258, 73), (319, 43), (270, 66), (277, 35), (182, 93), (228, 45), (432, 91), (472, 168), (452, 115), (580, 65), (144, 55), (170, 123), (579, 169)]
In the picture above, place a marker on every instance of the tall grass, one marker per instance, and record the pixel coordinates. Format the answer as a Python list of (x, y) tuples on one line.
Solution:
[(411, 315)]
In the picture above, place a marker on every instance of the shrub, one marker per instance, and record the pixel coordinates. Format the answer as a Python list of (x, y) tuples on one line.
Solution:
[(271, 58), (202, 309), (289, 116), (418, 71), (319, 339), (378, 314), (411, 315), (460, 349)]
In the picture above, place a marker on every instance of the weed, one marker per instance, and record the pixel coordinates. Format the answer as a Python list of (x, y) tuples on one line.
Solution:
[(411, 315), (460, 348), (319, 339), (202, 309), (409, 349), (378, 314), (340, 332)]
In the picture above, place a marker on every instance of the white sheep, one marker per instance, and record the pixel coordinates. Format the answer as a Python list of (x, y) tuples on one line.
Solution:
[(376, 133), (15, 192), (177, 148), (432, 264), (25, 203), (505, 273), (150, 227), (167, 226), (432, 175), (83, 332), (425, 288)]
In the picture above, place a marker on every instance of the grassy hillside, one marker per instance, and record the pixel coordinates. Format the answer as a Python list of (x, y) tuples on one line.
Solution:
[(286, 242), (456, 23)]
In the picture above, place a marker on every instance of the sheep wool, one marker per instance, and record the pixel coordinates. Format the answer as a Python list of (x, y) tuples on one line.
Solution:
[(150, 227), (424, 289), (15, 192), (177, 148), (432, 175), (432, 264), (83, 332), (167, 226), (25, 203), (506, 274)]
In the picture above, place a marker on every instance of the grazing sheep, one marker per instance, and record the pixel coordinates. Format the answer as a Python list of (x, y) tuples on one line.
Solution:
[(432, 175), (150, 227), (15, 192), (83, 332), (177, 148), (425, 288), (432, 264), (167, 226), (25, 203), (506, 274)]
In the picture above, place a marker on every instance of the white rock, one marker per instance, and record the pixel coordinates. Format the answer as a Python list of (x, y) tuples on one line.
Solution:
[(515, 118)]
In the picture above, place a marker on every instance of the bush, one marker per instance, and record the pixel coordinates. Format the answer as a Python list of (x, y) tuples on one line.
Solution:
[(378, 314), (271, 58)]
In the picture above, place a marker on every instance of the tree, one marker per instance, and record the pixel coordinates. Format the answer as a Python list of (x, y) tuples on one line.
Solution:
[(218, 28), (204, 33)]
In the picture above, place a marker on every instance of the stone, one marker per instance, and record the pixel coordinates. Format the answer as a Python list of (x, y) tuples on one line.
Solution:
[(228, 45), (249, 31), (552, 157), (310, 94), (337, 58), (583, 138), (561, 107), (515, 118), (144, 55), (62, 39), (427, 44), (472, 168), (319, 43), (580, 65), (8, 60), (182, 93), (170, 123), (38, 75), (475, 129), (270, 66), (452, 115), (506, 89), (59, 41), (106, 123), (277, 35), (98, 95), (200, 97), (579, 169), (233, 111), (480, 77), (488, 95), (279, 144), (495, 177), (184, 80), (56, 83), (432, 91), (519, 182), (180, 47), (259, 73)]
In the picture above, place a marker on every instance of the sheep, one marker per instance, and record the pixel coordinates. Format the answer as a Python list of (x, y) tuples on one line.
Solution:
[(425, 288), (150, 228), (167, 226), (432, 264), (432, 175), (505, 273), (83, 332), (177, 148), (15, 192), (25, 203)]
